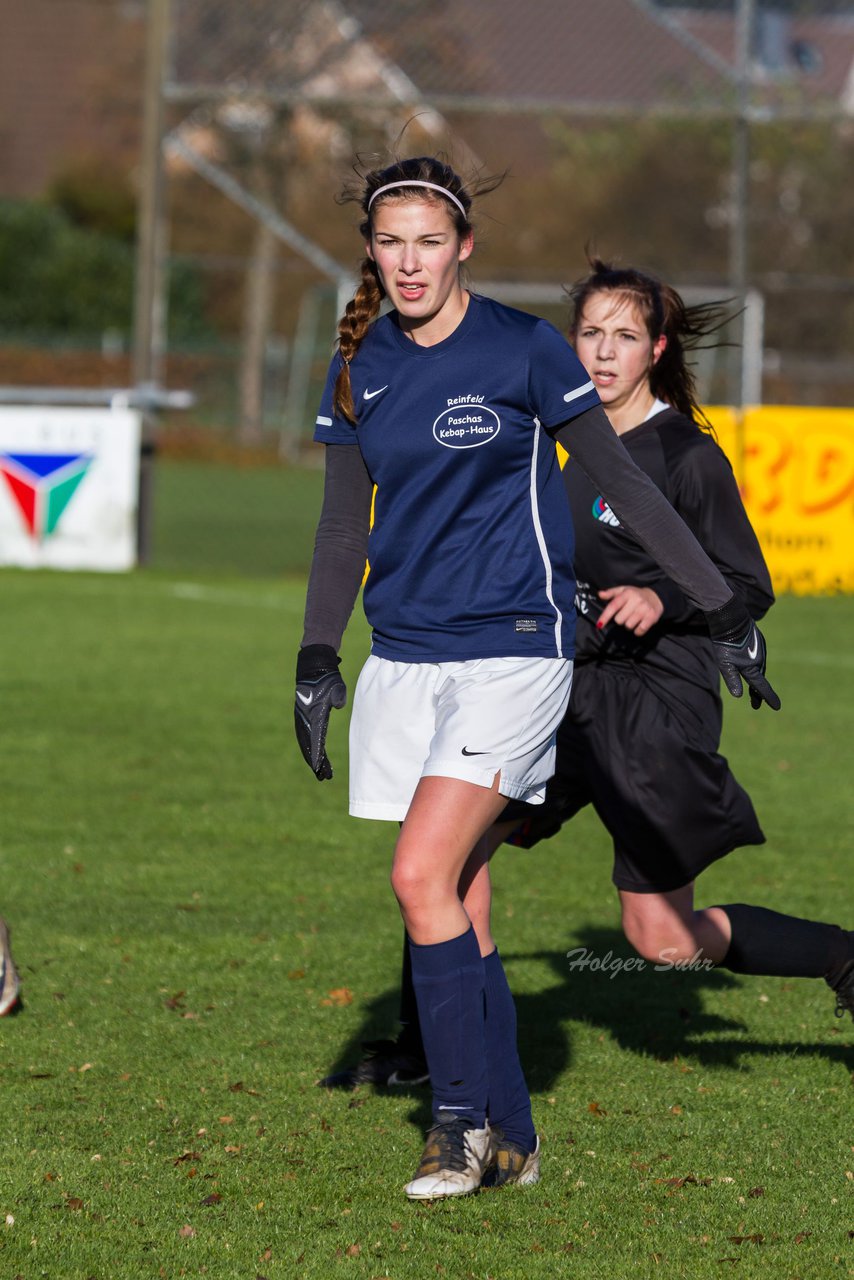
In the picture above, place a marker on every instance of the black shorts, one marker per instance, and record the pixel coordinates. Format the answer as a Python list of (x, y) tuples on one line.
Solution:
[(642, 749)]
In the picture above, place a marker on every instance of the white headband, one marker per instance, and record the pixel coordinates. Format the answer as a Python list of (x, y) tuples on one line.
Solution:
[(416, 182)]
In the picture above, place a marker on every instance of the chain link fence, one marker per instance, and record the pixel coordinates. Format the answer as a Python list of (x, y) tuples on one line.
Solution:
[(708, 142)]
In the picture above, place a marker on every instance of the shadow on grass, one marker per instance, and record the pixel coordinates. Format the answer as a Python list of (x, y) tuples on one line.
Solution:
[(650, 1012)]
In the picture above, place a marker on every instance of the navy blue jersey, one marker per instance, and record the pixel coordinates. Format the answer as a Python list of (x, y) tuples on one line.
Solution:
[(470, 552)]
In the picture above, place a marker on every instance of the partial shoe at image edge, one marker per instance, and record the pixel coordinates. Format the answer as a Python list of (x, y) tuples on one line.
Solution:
[(10, 987)]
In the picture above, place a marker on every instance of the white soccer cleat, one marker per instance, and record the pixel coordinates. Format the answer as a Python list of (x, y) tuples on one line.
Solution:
[(454, 1159), (510, 1163)]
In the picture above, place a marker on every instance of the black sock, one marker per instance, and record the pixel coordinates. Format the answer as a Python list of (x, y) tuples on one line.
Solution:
[(766, 942)]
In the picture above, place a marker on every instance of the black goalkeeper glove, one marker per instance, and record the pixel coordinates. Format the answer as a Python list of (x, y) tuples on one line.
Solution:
[(319, 689), (740, 653)]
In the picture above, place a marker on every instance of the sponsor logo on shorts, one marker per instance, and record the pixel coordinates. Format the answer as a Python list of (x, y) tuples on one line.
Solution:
[(604, 514), (526, 625), (466, 752), (466, 423)]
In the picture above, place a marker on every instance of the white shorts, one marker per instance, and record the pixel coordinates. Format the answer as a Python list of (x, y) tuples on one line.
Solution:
[(469, 720)]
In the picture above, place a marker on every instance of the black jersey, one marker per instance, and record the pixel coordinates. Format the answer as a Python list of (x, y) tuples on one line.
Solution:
[(693, 472)]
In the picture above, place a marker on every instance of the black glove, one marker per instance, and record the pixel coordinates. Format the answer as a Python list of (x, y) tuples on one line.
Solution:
[(319, 689), (740, 653)]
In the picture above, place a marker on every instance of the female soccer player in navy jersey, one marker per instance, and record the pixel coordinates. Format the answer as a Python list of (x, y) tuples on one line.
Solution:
[(640, 740), (448, 406)]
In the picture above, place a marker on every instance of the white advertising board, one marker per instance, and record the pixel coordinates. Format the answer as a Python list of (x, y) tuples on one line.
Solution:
[(69, 481)]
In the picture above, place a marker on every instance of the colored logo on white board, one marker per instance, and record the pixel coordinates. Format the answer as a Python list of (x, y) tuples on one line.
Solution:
[(42, 485)]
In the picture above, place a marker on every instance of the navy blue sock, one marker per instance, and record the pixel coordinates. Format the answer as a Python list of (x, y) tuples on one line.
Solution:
[(766, 942), (409, 1038), (448, 981), (509, 1101)]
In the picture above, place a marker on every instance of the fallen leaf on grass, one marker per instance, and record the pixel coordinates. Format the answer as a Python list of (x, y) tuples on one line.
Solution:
[(353, 1250), (804, 1235), (756, 1192), (226, 1119), (680, 1182), (187, 1155), (74, 1203), (339, 996), (186, 1232), (176, 1001), (595, 1109), (213, 1198), (757, 1238)]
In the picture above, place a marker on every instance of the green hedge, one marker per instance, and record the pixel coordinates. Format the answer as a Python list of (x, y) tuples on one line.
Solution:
[(59, 278)]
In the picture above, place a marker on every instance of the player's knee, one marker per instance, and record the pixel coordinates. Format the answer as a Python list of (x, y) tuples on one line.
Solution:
[(412, 887), (642, 938), (655, 941)]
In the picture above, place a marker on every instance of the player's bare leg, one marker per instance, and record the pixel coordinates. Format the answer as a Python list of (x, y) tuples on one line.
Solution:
[(665, 927)]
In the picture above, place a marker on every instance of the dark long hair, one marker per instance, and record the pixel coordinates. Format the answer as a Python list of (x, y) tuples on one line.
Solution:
[(663, 311), (365, 305)]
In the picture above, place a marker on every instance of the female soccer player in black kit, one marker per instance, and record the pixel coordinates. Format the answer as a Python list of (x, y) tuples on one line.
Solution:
[(640, 740)]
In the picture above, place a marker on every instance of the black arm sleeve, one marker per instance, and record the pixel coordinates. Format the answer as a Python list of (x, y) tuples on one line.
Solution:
[(340, 546), (642, 508), (706, 495)]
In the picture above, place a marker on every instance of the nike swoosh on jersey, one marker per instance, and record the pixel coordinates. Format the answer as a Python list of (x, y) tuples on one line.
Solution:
[(466, 752), (369, 395), (307, 698), (752, 650)]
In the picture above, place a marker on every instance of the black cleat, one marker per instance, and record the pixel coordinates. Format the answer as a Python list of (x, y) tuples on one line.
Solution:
[(387, 1064), (844, 989), (840, 979)]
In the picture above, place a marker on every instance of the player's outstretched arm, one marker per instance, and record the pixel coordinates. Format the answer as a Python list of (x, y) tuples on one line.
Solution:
[(740, 653), (319, 689)]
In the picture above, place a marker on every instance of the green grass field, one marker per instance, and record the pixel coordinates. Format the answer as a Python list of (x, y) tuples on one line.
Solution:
[(202, 932)]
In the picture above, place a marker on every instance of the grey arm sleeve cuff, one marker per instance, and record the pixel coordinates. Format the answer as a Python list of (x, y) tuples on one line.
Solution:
[(642, 508), (340, 546)]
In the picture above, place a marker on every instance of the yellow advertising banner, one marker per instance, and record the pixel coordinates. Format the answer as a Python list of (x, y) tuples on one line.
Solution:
[(796, 471)]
